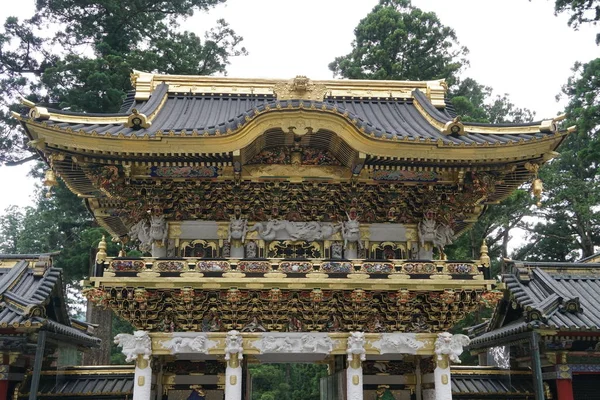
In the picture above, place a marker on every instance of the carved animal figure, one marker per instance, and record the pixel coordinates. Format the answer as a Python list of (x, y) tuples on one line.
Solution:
[(351, 232), (314, 344), (233, 345), (356, 345), (189, 345), (237, 229), (267, 230), (134, 345), (452, 345), (158, 228), (440, 235), (141, 231)]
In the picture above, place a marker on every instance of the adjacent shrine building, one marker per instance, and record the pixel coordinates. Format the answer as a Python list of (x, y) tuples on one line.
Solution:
[(289, 220)]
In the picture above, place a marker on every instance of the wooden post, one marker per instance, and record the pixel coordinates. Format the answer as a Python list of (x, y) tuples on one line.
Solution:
[(37, 365)]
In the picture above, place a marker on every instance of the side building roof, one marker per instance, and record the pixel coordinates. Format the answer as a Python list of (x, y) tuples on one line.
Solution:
[(32, 297), (559, 296)]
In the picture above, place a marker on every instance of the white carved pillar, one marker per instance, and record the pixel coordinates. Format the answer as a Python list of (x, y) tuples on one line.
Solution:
[(233, 372), (138, 347), (448, 348), (143, 379), (354, 373)]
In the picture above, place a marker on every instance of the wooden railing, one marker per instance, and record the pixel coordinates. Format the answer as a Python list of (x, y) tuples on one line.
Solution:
[(277, 267)]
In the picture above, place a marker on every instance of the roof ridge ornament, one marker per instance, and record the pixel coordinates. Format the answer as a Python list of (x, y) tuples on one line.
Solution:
[(137, 120), (454, 128), (143, 84), (299, 88)]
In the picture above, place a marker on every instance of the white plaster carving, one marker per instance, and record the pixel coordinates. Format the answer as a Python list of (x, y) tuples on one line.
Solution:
[(440, 235), (351, 232), (308, 231), (312, 343), (251, 249), (134, 345), (234, 345), (142, 389), (337, 250), (233, 383), (238, 228), (141, 231), (158, 229), (354, 383), (398, 343), (189, 344), (452, 345), (356, 345)]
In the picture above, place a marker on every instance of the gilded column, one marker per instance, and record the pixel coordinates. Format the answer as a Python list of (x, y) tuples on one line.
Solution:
[(138, 348), (233, 373), (354, 373), (448, 348)]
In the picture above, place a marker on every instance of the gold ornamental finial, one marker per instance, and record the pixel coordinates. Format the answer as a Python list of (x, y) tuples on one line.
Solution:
[(537, 186), (484, 259), (101, 254)]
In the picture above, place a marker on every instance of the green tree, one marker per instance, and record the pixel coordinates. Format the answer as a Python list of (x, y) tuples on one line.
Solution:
[(10, 230), (60, 70), (399, 41), (292, 381), (573, 189), (475, 102), (581, 12)]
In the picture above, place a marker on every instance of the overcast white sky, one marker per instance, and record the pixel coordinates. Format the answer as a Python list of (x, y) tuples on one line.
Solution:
[(516, 46)]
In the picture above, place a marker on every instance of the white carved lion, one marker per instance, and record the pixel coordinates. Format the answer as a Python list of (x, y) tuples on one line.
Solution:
[(452, 345), (356, 345), (233, 345), (134, 345)]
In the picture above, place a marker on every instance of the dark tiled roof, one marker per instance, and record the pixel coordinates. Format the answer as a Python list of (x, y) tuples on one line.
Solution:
[(186, 114), (489, 382), (561, 296), (36, 299), (85, 382)]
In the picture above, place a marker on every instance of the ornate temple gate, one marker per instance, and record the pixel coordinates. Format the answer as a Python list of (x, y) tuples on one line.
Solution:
[(302, 219), (429, 353)]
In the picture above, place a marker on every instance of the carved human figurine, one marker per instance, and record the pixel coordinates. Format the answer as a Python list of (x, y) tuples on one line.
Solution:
[(238, 227), (337, 250), (251, 249)]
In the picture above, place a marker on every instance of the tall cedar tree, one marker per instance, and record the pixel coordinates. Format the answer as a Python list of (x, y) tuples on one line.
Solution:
[(399, 41), (61, 71), (570, 214), (56, 72), (581, 12)]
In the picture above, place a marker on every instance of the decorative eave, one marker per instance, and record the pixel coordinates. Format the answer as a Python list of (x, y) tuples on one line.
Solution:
[(81, 142)]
